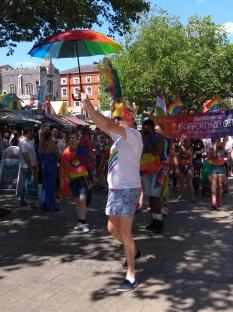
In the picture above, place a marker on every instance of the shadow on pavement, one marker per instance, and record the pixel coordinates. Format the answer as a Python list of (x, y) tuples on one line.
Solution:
[(189, 265)]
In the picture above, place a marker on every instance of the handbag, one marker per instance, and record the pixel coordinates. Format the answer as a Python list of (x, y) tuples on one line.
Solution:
[(31, 191)]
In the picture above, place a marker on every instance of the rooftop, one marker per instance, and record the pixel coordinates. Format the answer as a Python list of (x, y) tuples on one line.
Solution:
[(83, 68), (5, 67)]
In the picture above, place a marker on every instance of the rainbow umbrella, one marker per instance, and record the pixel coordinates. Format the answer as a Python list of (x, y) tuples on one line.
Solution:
[(75, 43)]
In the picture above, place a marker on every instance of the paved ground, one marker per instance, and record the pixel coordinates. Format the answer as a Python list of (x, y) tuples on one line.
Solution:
[(46, 266)]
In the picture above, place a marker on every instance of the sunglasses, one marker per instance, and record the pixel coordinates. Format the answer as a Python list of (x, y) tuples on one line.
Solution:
[(72, 139), (118, 118)]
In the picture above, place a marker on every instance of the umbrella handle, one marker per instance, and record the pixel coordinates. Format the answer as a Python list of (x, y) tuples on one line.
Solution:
[(79, 70)]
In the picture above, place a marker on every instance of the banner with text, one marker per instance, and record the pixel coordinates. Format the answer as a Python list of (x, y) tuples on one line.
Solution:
[(207, 125)]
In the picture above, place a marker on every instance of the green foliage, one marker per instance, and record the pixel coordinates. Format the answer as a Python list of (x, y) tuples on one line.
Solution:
[(26, 20), (104, 82), (105, 98), (226, 104), (193, 62)]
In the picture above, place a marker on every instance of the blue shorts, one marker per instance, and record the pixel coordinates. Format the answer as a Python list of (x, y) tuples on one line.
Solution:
[(79, 186), (217, 170), (152, 184), (122, 202)]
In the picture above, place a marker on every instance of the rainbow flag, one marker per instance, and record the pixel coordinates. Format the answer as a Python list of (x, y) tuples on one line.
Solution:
[(211, 105), (165, 189), (175, 107)]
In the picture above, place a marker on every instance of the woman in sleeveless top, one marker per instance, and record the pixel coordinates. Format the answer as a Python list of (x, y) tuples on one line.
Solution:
[(185, 167), (217, 171), (49, 155)]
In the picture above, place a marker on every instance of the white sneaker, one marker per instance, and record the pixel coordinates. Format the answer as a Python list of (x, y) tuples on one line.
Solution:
[(179, 197), (26, 208), (85, 228), (164, 211), (78, 226), (82, 227)]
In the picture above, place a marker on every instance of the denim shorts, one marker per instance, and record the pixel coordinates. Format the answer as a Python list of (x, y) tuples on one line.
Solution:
[(152, 185), (79, 186), (122, 202), (186, 169), (217, 170)]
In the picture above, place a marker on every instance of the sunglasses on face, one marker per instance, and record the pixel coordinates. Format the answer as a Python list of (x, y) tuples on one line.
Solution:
[(72, 139), (118, 118)]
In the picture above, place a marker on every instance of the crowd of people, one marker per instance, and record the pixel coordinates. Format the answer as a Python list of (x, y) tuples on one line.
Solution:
[(137, 167)]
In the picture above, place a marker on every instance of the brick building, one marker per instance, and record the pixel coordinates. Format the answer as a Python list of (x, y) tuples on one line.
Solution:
[(70, 84), (25, 82)]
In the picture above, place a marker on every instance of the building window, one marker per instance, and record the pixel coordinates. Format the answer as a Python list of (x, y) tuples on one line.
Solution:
[(77, 103), (88, 79), (63, 81), (89, 91), (76, 80), (64, 92), (50, 86), (29, 88), (77, 92), (37, 86), (12, 88)]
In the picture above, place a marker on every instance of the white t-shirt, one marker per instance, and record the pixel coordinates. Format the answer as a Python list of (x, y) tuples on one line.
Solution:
[(124, 160), (27, 146), (229, 143)]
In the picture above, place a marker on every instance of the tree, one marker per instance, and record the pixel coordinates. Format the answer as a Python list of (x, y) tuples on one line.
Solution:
[(193, 62), (25, 20), (105, 98)]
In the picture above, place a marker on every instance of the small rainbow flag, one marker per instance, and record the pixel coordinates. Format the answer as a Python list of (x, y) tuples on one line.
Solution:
[(175, 107), (211, 105)]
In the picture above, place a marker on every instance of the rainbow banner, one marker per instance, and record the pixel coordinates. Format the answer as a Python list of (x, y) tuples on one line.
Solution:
[(197, 126), (211, 105), (175, 107)]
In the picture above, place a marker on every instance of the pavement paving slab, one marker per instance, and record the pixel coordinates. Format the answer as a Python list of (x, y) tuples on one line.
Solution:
[(45, 265)]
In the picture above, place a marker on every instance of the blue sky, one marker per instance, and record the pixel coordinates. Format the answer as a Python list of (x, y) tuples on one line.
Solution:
[(220, 10)]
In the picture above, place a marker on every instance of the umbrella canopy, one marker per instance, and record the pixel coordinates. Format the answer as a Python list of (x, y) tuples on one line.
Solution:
[(75, 43), (59, 108), (77, 121), (15, 117), (10, 101)]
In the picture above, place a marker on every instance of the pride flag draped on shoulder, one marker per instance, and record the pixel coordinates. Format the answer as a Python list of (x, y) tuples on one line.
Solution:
[(161, 108), (175, 107), (211, 105)]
